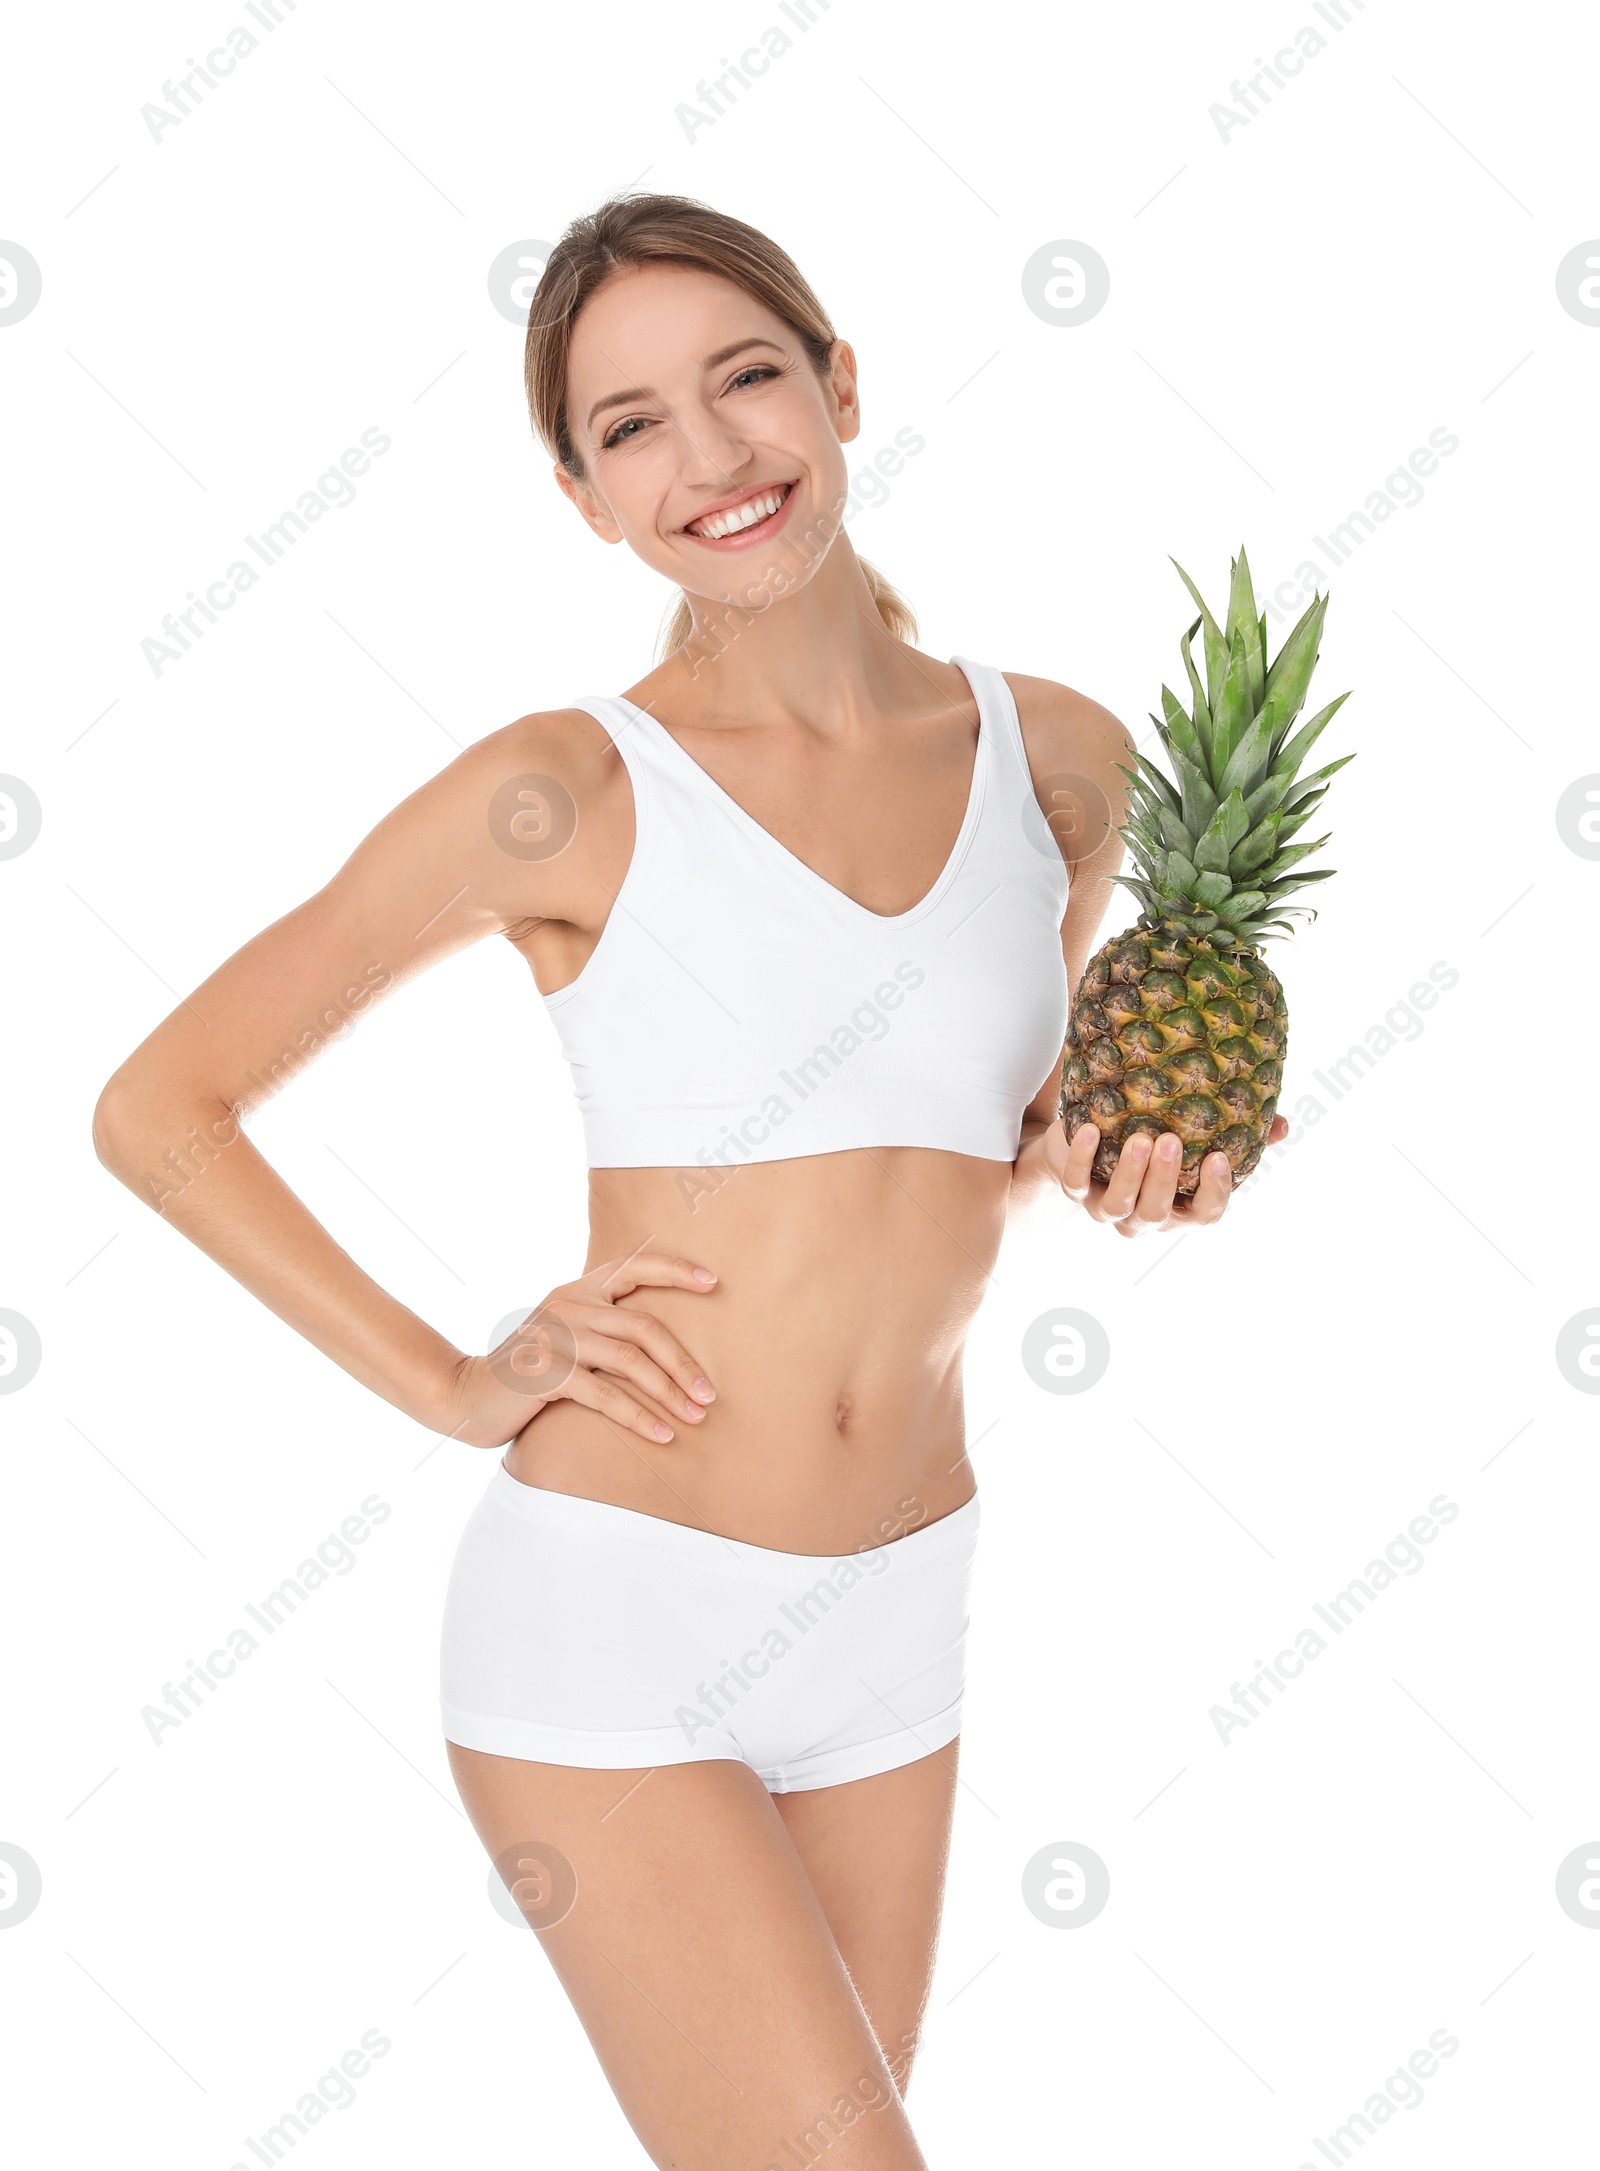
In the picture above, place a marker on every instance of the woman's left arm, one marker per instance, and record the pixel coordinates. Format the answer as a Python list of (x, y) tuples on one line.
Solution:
[(1072, 744)]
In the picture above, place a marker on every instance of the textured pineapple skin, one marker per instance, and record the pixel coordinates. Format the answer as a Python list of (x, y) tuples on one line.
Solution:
[(1169, 1033)]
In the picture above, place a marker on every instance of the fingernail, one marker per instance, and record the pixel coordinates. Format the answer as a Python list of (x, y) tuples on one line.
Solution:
[(704, 1274), (704, 1389), (1139, 1145), (693, 1410), (1169, 1148), (662, 1433)]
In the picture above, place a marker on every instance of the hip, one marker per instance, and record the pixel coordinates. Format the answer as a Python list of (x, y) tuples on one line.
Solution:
[(579, 1632)]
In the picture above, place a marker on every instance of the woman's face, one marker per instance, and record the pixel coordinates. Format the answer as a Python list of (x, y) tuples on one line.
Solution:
[(690, 404)]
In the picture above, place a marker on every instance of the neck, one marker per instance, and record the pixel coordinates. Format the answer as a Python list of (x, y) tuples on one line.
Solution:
[(825, 651)]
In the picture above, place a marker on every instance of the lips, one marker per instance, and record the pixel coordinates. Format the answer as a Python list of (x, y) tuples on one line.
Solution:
[(741, 515)]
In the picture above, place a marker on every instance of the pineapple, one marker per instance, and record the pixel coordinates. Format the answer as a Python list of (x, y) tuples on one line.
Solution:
[(1178, 1025)]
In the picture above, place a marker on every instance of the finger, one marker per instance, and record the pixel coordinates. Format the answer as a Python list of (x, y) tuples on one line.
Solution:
[(621, 1354), (1122, 1192), (1278, 1128), (596, 1391), (680, 1373), (1214, 1189), (650, 1270), (1077, 1171), (1160, 1185)]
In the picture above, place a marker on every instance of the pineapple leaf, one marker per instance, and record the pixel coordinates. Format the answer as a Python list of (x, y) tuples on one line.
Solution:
[(1142, 890), (1317, 603), (1199, 800), (1287, 759), (1232, 710), (1248, 764), (1173, 834), (1202, 707), (1296, 661), (1216, 644), (1257, 847), (1155, 780), (1182, 873), (1301, 790), (1212, 887), (1242, 905), (1290, 856), (1182, 731), (1270, 793), (1275, 890), (1243, 624), (1224, 830), (1297, 817)]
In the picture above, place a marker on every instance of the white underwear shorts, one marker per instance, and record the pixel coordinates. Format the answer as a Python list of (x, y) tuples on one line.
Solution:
[(576, 1632)]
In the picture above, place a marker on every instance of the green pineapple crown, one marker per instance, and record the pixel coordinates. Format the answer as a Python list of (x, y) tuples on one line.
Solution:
[(1212, 848)]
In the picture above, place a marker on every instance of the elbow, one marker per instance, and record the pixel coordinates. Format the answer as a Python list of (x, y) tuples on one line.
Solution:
[(141, 1125), (111, 1128)]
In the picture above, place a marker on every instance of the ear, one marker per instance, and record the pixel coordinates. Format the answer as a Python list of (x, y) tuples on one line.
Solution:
[(846, 397), (594, 513)]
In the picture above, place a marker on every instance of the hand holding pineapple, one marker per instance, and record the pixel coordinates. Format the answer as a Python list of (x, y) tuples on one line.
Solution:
[(1141, 1198), (1175, 1045)]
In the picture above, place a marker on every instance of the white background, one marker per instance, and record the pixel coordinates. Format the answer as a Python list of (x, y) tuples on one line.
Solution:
[(1292, 310)]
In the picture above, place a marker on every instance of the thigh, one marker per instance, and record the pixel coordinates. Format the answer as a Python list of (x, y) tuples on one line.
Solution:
[(700, 1963), (875, 1851)]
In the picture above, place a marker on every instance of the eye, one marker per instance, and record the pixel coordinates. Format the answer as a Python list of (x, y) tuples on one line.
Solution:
[(616, 435), (624, 432)]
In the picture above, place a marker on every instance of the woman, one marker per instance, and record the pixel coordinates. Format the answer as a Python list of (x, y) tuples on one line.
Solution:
[(807, 936)]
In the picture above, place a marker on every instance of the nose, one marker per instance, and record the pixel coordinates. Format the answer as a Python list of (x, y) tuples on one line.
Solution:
[(711, 454)]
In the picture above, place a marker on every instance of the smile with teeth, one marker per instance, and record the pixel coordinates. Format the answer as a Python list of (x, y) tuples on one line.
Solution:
[(760, 507)]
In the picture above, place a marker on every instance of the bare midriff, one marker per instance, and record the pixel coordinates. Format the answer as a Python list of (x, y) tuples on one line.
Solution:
[(833, 1337)]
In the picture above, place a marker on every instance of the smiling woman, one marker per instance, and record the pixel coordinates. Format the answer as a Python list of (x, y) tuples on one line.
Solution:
[(640, 231), (798, 912)]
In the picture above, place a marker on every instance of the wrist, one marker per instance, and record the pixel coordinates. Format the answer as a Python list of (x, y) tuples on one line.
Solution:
[(436, 1398)]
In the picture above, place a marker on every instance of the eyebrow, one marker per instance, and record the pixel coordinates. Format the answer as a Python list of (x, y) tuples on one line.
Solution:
[(643, 392)]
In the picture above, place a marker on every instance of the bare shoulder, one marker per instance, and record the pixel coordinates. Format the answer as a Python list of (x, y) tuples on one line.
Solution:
[(536, 783), (501, 833), (1076, 753), (1063, 729), (552, 804), (569, 746)]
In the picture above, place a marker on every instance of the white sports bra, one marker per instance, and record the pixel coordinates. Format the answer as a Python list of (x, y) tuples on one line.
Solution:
[(739, 1008)]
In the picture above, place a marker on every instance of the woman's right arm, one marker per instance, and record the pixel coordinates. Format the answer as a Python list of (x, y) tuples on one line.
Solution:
[(459, 859)]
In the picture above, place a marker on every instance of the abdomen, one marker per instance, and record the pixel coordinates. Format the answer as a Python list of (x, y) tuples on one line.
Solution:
[(846, 1282)]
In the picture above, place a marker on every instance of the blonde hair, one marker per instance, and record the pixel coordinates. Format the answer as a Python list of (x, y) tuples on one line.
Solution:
[(642, 229)]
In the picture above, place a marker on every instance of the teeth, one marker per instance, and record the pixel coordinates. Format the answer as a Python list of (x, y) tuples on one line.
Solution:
[(742, 516)]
